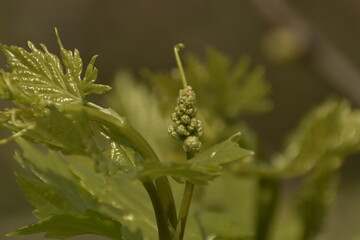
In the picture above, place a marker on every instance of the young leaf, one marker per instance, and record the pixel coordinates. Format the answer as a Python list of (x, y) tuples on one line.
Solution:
[(129, 99), (129, 199), (67, 133), (38, 78), (331, 130), (201, 169), (53, 170), (224, 152), (4, 90), (73, 64), (46, 200), (184, 170), (89, 79), (65, 226), (124, 155), (224, 91), (222, 209), (235, 90)]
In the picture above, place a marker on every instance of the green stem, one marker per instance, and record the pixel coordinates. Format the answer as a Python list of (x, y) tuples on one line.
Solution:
[(185, 206), (179, 64), (160, 194), (161, 220), (186, 202), (15, 135), (316, 197), (268, 195)]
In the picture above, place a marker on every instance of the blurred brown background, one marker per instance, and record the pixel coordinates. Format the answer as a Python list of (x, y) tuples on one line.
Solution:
[(309, 49)]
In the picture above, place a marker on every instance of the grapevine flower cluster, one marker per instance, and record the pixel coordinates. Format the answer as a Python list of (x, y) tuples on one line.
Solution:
[(186, 127)]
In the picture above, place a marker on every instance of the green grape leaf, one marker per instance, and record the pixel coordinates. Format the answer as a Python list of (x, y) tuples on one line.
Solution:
[(124, 155), (235, 89), (4, 90), (46, 200), (202, 168), (89, 79), (222, 210), (141, 108), (321, 144), (65, 226), (222, 153), (69, 133), (198, 174), (331, 131), (127, 198), (73, 64), (38, 76), (224, 91), (51, 169)]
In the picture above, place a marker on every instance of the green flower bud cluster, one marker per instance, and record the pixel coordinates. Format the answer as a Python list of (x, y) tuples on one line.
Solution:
[(186, 127)]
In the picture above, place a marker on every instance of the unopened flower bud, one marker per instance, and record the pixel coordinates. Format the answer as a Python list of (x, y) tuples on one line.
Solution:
[(186, 127), (192, 144)]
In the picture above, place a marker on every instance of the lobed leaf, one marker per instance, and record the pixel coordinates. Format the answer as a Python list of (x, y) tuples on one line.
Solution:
[(70, 134), (64, 191), (46, 199), (222, 153), (65, 226), (128, 199), (38, 75), (4, 89), (91, 74), (51, 169), (222, 210), (39, 78), (184, 170), (224, 91), (331, 131), (141, 108), (201, 169), (124, 155), (235, 89)]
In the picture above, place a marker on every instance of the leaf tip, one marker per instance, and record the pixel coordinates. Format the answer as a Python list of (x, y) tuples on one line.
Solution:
[(58, 37), (235, 137), (12, 234), (2, 47)]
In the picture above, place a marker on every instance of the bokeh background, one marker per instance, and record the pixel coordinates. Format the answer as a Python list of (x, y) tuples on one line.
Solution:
[(310, 50)]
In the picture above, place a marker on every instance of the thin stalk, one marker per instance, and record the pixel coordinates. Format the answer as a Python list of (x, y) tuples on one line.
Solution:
[(161, 219), (15, 135), (185, 206), (186, 202), (268, 196), (189, 187), (316, 198), (179, 64)]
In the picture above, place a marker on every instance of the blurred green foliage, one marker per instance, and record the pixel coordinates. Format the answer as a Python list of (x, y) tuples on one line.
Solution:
[(315, 150), (72, 197)]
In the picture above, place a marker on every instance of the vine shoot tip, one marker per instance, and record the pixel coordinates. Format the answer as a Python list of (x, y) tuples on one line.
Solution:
[(179, 46)]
